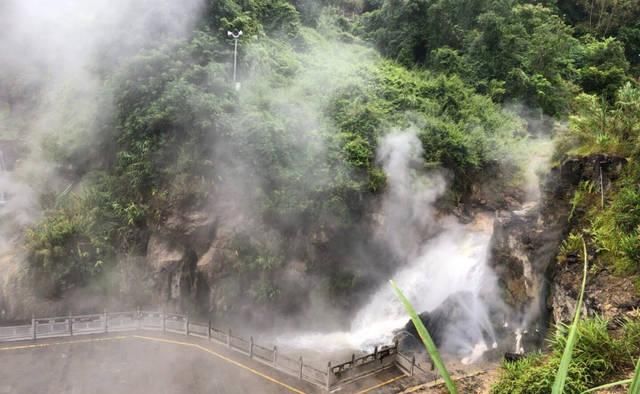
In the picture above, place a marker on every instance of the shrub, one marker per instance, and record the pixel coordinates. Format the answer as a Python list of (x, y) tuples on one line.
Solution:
[(65, 250), (598, 357), (600, 127), (535, 375)]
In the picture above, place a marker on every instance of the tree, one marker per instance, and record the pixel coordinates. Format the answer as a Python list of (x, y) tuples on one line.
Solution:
[(529, 47), (602, 66), (601, 17), (409, 30)]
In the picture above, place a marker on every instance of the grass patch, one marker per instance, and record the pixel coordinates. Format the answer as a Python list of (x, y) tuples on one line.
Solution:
[(599, 356)]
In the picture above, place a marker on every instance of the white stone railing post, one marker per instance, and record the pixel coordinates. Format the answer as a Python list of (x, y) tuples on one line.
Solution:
[(328, 384), (301, 367), (209, 331), (105, 316), (70, 324), (33, 327)]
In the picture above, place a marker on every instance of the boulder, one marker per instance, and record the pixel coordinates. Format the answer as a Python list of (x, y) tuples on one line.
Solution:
[(196, 228), (452, 326), (164, 253), (173, 269), (612, 297)]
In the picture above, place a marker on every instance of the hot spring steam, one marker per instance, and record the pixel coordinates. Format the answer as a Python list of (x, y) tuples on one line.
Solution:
[(443, 258)]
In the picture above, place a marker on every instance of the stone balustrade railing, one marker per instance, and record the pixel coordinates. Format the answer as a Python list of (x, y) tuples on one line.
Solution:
[(108, 322)]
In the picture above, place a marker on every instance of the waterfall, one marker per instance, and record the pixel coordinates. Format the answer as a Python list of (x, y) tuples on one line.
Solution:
[(444, 260), (453, 261)]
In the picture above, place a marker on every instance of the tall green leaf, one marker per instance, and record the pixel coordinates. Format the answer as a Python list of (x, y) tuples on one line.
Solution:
[(608, 385), (634, 387), (635, 383), (426, 340), (561, 376)]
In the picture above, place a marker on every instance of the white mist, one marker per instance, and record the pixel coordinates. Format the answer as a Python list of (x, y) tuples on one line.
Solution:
[(443, 257)]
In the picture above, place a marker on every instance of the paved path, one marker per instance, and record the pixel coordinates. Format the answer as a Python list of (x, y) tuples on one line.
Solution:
[(135, 364), (151, 364)]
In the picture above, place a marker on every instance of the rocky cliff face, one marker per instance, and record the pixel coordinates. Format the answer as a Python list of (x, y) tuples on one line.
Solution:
[(526, 243), (190, 264), (173, 258)]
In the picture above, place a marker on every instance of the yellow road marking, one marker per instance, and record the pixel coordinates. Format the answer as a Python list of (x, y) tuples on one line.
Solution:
[(228, 360), (38, 345), (377, 386)]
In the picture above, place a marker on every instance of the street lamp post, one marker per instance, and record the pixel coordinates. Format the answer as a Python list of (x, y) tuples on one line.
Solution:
[(236, 37)]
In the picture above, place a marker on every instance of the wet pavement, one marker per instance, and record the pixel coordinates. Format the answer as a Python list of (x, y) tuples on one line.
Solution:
[(155, 364)]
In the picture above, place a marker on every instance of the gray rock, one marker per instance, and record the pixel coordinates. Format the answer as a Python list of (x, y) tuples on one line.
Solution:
[(525, 243)]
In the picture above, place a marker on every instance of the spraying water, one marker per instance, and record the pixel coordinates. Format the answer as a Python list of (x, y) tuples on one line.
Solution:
[(444, 258), (451, 263)]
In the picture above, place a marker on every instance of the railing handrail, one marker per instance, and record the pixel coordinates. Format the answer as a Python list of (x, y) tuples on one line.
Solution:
[(328, 378), (378, 354)]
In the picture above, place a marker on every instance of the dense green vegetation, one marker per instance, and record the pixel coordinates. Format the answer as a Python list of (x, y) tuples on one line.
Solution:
[(507, 50), (610, 219), (599, 357)]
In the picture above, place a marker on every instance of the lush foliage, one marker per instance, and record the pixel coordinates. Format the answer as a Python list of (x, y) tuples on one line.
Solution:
[(508, 50), (76, 241), (459, 129), (598, 357), (600, 127), (610, 218)]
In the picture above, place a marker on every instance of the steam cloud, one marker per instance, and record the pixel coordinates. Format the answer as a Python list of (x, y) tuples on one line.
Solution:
[(442, 258), (56, 58), (56, 55), (407, 208)]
